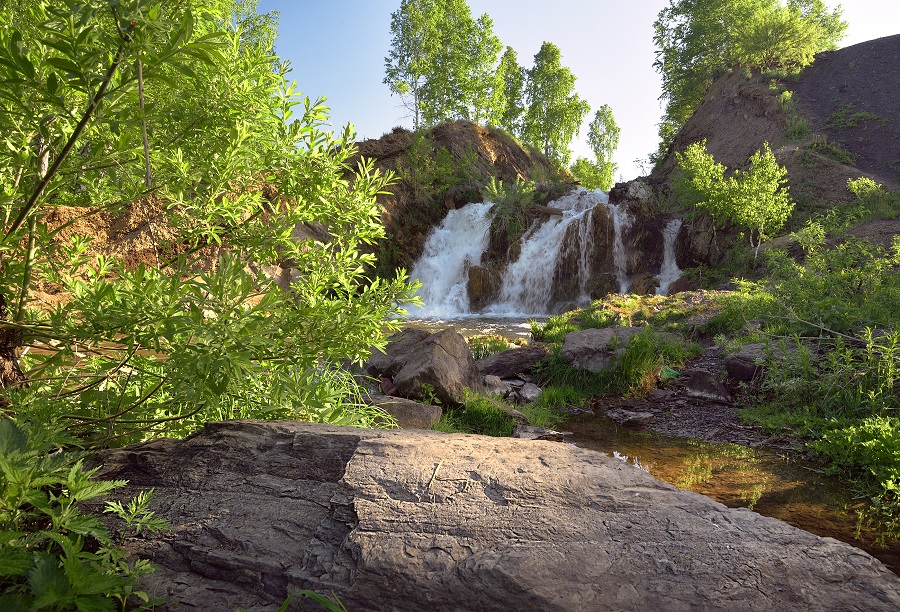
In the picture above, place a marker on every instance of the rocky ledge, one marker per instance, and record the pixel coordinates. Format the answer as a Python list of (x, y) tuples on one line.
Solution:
[(409, 520)]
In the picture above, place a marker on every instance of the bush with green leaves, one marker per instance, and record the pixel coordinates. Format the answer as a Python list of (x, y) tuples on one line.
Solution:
[(755, 200), (513, 203), (52, 556), (182, 108)]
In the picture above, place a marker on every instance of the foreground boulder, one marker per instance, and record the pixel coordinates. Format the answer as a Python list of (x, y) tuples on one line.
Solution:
[(419, 363), (411, 520)]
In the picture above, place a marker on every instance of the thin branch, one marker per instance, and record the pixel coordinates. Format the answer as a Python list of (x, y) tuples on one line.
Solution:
[(70, 144)]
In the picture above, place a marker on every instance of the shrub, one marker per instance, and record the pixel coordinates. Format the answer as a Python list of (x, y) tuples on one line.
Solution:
[(756, 200), (53, 556)]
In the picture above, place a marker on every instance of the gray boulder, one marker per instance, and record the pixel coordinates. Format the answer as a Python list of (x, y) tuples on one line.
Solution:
[(417, 362), (412, 520), (508, 363), (703, 385), (494, 386), (749, 361), (594, 349), (409, 414)]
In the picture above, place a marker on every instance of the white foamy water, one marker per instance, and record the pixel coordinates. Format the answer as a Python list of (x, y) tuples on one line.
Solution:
[(451, 248), (621, 222), (670, 272), (528, 282)]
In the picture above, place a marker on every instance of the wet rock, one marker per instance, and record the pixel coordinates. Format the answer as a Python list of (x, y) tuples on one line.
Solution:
[(704, 385), (406, 520), (530, 432), (483, 286), (510, 362), (684, 283), (603, 285), (749, 361), (418, 362), (644, 284), (594, 349), (409, 414), (628, 418)]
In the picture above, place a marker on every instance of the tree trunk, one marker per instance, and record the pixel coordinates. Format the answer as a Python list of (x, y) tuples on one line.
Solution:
[(10, 340)]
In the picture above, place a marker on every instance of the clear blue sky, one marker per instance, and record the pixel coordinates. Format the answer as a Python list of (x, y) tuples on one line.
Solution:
[(337, 49)]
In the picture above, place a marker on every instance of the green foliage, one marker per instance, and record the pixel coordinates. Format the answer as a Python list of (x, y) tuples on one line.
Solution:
[(442, 61), (846, 117), (487, 345), (698, 40), (331, 604), (756, 199), (430, 171), (44, 561), (512, 205), (140, 351), (554, 111), (509, 85), (590, 175), (833, 377), (833, 149), (798, 128), (603, 138), (478, 414), (865, 188)]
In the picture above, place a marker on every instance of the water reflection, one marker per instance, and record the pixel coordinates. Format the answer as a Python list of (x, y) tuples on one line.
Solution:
[(737, 476)]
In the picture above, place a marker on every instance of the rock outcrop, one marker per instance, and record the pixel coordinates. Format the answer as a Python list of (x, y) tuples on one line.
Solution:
[(394, 520), (594, 349), (418, 362)]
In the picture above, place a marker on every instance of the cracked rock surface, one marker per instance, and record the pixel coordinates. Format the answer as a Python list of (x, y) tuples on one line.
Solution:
[(409, 520)]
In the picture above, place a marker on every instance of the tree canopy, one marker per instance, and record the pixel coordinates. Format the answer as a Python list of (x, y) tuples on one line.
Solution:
[(178, 114), (698, 40), (603, 138), (554, 111), (441, 61)]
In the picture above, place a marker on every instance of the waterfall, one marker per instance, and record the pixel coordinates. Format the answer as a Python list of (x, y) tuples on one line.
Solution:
[(670, 272), (555, 247), (527, 287), (454, 245), (621, 222)]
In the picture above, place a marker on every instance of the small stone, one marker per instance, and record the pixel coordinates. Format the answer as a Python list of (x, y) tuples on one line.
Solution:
[(529, 393), (530, 432)]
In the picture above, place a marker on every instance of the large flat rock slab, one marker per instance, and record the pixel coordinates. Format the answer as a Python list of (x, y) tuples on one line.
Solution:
[(413, 520)]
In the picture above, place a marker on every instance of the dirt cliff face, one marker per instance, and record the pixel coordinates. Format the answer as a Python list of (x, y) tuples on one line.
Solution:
[(848, 99), (470, 153)]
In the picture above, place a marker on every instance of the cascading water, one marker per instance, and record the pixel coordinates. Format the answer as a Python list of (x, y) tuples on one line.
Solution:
[(454, 245), (670, 272), (621, 222), (527, 287), (550, 245)]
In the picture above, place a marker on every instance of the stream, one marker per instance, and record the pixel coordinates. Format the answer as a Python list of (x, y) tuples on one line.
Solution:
[(795, 491)]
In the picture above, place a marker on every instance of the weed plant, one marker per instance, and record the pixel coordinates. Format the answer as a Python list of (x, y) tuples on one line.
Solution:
[(477, 414), (487, 345), (53, 557)]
